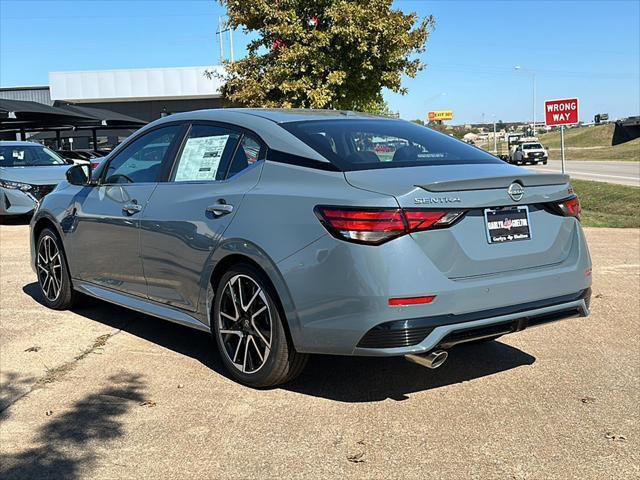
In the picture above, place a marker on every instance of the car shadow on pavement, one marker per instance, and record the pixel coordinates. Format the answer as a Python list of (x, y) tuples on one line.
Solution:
[(372, 379), (344, 379), (66, 445), (180, 339), (15, 220)]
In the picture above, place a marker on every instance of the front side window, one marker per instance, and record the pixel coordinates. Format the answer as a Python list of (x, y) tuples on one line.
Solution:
[(142, 160), (205, 154), (29, 156), (360, 144)]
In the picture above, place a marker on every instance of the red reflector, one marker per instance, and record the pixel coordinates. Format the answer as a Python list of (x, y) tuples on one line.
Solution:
[(399, 302)]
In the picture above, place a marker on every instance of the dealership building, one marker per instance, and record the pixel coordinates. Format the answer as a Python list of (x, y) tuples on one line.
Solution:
[(145, 94)]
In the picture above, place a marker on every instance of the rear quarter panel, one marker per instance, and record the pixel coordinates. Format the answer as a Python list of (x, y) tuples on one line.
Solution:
[(276, 219)]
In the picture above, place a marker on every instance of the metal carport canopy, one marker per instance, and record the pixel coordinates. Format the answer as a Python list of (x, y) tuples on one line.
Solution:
[(18, 115)]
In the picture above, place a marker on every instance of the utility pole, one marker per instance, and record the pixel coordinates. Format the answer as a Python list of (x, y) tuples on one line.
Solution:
[(534, 102), (219, 32), (223, 27)]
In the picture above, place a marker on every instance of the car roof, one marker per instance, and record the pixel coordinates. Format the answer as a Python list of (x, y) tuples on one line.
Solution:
[(284, 115), (277, 115), (17, 143)]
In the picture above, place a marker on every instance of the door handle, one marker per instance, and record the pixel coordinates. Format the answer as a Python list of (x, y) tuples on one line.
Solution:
[(219, 209), (131, 208)]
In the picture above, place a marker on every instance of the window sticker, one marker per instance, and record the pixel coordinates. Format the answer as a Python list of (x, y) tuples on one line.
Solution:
[(200, 158)]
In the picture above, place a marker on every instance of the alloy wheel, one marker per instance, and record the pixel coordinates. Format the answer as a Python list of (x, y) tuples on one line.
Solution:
[(245, 324), (49, 266)]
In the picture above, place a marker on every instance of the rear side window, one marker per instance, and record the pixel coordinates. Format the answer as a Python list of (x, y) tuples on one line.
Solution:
[(248, 152), (355, 144), (205, 154)]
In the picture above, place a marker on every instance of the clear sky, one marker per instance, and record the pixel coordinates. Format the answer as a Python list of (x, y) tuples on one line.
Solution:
[(588, 49)]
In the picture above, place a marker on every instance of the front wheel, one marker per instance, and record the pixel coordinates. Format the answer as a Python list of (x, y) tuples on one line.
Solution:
[(249, 330), (53, 274)]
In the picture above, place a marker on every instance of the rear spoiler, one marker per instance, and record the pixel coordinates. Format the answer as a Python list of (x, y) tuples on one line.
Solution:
[(533, 180)]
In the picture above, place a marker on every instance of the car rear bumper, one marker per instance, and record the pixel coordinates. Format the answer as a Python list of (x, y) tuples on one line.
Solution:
[(16, 202), (442, 332), (340, 291)]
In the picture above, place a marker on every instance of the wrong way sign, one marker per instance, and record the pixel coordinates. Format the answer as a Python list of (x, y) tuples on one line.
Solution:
[(561, 112)]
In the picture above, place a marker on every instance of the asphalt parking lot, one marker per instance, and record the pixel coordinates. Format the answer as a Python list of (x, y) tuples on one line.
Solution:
[(102, 392)]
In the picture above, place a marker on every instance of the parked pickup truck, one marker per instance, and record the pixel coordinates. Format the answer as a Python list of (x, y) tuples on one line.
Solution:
[(528, 152)]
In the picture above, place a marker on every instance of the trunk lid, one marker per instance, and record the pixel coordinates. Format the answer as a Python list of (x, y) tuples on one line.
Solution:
[(463, 250)]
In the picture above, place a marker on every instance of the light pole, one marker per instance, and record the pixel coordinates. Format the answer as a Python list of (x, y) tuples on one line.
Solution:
[(533, 79), (495, 139)]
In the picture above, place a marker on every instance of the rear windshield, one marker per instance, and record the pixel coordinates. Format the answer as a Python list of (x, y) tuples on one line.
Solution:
[(367, 144), (28, 156), (531, 146)]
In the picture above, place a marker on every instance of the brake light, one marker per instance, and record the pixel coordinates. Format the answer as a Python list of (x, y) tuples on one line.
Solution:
[(377, 225), (570, 207)]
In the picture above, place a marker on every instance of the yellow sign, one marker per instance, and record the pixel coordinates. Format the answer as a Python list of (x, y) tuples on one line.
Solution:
[(441, 115)]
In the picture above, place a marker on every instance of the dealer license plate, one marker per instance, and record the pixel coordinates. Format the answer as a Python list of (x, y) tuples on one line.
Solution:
[(507, 224)]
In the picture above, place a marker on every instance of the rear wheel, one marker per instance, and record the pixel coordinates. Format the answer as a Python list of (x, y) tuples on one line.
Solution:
[(53, 274), (249, 330)]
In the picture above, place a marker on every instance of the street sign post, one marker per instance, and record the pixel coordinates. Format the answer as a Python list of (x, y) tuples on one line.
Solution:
[(561, 112)]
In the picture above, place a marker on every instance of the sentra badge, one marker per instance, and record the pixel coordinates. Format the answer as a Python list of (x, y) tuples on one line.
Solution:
[(435, 200)]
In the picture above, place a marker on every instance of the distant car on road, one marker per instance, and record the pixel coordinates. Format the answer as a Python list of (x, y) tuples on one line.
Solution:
[(528, 152), (28, 171), (285, 233)]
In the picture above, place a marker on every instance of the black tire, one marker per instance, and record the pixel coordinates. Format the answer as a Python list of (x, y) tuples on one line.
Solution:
[(57, 292), (279, 362)]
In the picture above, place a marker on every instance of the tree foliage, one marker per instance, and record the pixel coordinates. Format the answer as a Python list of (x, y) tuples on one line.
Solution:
[(323, 53)]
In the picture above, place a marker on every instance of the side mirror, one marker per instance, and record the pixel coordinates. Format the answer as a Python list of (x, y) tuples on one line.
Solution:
[(79, 175)]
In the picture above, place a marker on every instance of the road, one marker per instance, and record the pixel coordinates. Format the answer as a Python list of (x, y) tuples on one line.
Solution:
[(622, 173), (101, 392)]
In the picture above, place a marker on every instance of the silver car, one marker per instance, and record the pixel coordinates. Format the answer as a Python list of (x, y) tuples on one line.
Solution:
[(28, 171), (291, 232)]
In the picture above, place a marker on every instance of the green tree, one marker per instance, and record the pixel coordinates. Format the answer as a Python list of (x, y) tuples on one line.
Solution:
[(323, 53)]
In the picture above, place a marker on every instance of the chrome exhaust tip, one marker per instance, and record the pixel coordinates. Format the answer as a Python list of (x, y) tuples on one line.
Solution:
[(432, 359)]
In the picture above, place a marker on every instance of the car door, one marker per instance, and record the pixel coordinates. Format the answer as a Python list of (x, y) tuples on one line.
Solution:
[(188, 213), (105, 240)]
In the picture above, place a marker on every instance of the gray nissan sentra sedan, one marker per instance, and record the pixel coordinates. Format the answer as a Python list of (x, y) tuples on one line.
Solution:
[(291, 232)]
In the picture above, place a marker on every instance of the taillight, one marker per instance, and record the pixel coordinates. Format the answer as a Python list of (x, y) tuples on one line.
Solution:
[(377, 225), (570, 207)]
